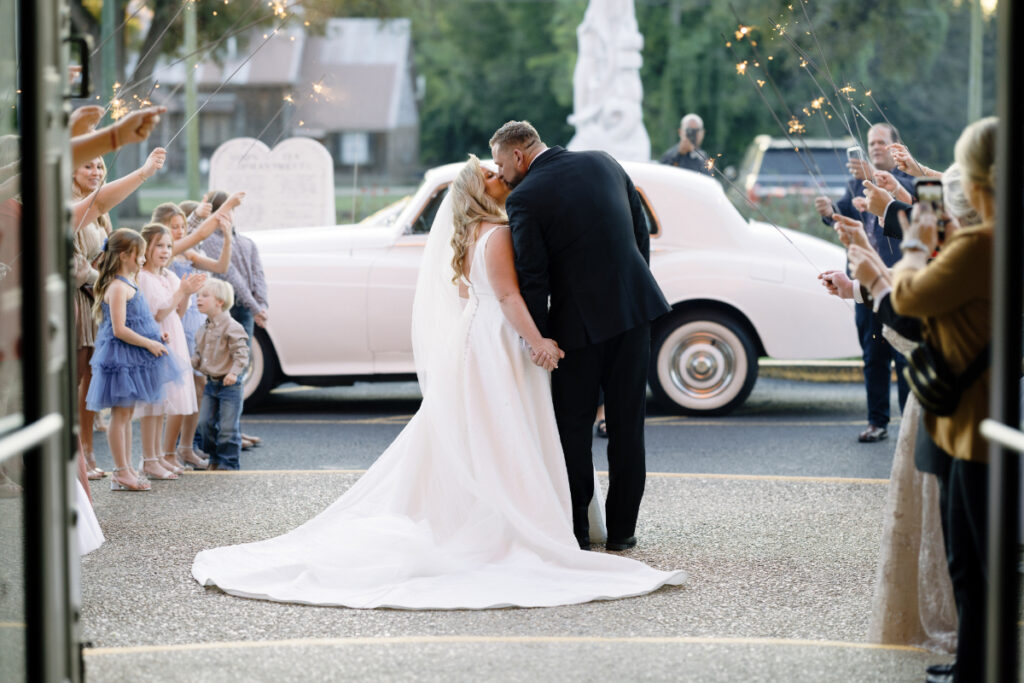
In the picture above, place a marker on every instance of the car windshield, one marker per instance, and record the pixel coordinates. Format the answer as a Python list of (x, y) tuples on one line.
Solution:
[(783, 161), (388, 215)]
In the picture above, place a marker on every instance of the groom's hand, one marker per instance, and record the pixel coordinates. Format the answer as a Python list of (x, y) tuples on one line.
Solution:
[(546, 354)]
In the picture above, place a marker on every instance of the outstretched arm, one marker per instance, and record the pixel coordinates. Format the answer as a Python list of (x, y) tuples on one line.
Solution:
[(501, 271), (531, 261)]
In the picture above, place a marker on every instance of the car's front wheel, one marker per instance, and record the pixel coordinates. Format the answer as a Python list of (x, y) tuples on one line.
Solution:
[(703, 362), (262, 374)]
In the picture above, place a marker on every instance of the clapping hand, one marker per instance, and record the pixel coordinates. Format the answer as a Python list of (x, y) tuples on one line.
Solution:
[(546, 354), (850, 231), (190, 284)]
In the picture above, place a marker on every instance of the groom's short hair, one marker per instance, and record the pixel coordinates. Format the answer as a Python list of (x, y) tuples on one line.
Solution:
[(520, 134)]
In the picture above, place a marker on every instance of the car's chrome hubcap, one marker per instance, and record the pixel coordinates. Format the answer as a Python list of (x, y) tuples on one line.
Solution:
[(703, 365)]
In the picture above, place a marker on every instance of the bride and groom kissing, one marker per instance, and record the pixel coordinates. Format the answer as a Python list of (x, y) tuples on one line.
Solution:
[(534, 294)]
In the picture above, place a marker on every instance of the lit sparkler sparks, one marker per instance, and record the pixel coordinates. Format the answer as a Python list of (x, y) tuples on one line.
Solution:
[(817, 102), (742, 32), (760, 83), (795, 127), (279, 8), (741, 68)]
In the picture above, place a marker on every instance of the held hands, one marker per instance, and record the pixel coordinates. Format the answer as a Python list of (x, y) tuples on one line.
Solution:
[(837, 283), (546, 354), (850, 231), (230, 379), (154, 162)]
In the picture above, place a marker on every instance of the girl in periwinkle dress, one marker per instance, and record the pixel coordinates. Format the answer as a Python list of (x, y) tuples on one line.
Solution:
[(168, 298), (130, 363)]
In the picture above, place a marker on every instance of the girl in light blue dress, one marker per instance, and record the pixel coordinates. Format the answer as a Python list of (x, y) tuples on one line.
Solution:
[(130, 363)]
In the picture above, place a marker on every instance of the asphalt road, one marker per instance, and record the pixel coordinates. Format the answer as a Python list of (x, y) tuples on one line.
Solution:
[(786, 428)]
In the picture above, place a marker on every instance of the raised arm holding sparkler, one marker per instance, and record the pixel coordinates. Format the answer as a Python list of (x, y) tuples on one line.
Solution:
[(131, 128), (111, 194)]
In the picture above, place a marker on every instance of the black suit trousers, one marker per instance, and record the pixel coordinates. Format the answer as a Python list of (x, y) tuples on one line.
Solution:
[(619, 366)]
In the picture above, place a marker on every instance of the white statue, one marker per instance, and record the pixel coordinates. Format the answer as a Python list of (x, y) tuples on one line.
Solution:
[(607, 92)]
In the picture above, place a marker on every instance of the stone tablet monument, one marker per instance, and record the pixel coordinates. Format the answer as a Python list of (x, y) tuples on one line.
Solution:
[(290, 186), (607, 92)]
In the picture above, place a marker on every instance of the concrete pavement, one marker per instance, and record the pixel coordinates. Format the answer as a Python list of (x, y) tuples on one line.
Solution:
[(781, 572)]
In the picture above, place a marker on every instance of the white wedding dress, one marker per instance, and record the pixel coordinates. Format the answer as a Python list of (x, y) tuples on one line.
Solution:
[(467, 509)]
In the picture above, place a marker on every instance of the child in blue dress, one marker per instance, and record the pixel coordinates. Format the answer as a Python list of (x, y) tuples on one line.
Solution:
[(130, 363)]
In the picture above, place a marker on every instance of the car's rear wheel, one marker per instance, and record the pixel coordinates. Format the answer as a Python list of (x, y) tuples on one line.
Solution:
[(262, 374), (703, 362)]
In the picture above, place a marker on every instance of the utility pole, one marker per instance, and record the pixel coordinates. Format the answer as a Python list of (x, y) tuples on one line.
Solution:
[(974, 71), (191, 104), (108, 56)]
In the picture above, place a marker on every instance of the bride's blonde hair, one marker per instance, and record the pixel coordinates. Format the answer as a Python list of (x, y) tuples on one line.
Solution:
[(471, 205)]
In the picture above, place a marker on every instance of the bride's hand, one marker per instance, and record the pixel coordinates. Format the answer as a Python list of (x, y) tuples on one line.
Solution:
[(546, 354)]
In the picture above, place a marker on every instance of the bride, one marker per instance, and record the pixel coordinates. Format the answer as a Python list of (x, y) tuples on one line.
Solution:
[(469, 507)]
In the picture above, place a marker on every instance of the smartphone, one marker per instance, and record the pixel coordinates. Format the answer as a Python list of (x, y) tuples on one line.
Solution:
[(929, 191), (854, 153)]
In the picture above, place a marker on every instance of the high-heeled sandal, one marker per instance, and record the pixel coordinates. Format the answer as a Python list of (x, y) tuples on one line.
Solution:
[(149, 475), (93, 472), (191, 460), (118, 485), (174, 466)]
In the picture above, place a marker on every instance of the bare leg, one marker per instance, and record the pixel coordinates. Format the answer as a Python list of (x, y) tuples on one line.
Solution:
[(152, 464), (86, 417), (172, 429), (120, 436)]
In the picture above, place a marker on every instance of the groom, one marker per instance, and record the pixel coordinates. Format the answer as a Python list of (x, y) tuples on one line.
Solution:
[(581, 238)]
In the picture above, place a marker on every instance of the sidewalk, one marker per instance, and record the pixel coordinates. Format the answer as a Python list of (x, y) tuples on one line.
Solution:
[(781, 570)]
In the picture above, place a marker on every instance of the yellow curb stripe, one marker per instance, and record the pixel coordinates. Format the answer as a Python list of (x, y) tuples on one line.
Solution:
[(486, 640), (669, 421), (12, 624), (663, 475)]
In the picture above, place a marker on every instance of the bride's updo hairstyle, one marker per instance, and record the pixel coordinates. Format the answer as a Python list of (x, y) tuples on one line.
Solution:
[(471, 205)]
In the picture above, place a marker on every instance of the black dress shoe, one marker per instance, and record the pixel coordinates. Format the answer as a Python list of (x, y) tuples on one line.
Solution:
[(940, 669), (584, 543), (872, 434), (620, 543), (940, 678)]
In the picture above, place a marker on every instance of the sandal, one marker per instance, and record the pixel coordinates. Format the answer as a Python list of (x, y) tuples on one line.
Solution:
[(165, 475), (601, 429), (118, 485), (191, 460), (92, 472), (170, 462)]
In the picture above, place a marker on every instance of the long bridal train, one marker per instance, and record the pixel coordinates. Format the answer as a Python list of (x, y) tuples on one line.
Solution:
[(467, 509)]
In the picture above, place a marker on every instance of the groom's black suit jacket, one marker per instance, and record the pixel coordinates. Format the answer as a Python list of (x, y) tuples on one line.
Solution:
[(580, 237)]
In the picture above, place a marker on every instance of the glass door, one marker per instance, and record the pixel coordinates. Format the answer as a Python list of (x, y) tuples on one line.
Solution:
[(38, 567)]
